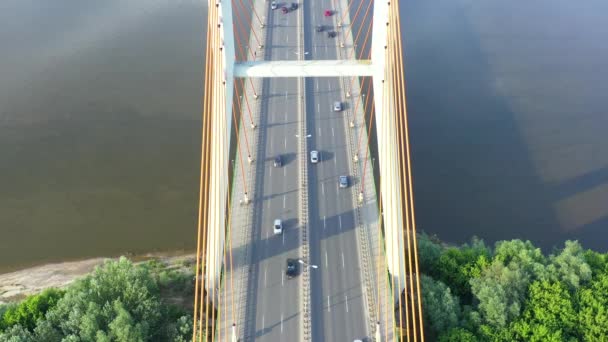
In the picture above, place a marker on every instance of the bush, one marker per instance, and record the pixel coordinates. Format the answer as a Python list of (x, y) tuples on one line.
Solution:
[(30, 310)]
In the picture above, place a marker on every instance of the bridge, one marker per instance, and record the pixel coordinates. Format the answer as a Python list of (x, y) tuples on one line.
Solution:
[(296, 96)]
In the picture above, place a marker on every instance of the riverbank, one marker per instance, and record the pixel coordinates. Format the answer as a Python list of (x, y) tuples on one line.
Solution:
[(14, 286)]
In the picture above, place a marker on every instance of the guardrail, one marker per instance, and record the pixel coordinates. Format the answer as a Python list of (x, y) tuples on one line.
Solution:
[(303, 205)]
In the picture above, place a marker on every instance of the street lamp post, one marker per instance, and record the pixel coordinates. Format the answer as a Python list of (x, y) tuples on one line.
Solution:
[(307, 264)]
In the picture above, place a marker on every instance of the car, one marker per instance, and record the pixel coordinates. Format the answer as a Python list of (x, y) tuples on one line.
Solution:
[(294, 6), (277, 161), (292, 268), (319, 28), (278, 226), (331, 34), (284, 10), (328, 13), (343, 181), (337, 106), (273, 5), (314, 157)]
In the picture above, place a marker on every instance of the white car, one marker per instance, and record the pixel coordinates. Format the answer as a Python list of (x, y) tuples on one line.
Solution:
[(274, 5), (314, 157), (337, 106), (278, 226)]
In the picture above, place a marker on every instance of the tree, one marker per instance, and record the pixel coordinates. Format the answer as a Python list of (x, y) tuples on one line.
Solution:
[(570, 266), (549, 314), (593, 310), (46, 332), (457, 266), (181, 331), (123, 328), (458, 335), (598, 262), (16, 333), (523, 253), (31, 309), (429, 253), (500, 292), (116, 294), (441, 308)]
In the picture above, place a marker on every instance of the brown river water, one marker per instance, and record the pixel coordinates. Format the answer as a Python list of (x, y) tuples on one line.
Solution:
[(100, 106)]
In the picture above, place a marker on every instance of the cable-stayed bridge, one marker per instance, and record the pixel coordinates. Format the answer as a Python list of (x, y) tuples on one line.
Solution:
[(306, 219)]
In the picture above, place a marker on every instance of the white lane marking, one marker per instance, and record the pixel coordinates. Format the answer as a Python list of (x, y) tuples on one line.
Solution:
[(346, 301), (323, 221), (325, 259), (315, 55), (329, 86), (271, 172), (284, 172), (287, 39), (317, 82), (323, 189), (265, 273), (283, 235), (286, 94), (328, 307), (282, 279), (343, 260), (318, 108), (332, 134), (285, 143), (268, 205), (266, 236), (319, 131), (335, 162), (283, 201), (263, 326), (281, 322), (340, 220)]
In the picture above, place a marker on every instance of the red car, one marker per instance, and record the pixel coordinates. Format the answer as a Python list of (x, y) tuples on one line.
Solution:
[(284, 10), (327, 13)]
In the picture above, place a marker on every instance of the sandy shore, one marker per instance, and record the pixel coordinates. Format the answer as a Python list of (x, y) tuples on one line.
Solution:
[(16, 285)]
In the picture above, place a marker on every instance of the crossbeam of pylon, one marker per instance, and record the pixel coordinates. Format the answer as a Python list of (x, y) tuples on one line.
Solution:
[(304, 68)]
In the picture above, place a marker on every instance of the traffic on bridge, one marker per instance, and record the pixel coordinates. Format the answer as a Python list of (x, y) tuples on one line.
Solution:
[(306, 220)]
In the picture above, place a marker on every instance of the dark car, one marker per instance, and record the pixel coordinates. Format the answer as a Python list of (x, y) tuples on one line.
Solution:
[(277, 161), (331, 34), (292, 268), (294, 6), (319, 28)]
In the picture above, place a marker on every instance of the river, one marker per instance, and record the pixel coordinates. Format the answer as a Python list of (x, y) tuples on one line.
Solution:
[(100, 123)]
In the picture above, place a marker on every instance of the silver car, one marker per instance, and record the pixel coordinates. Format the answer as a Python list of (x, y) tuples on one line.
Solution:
[(343, 181), (278, 226), (274, 5), (337, 106), (314, 157)]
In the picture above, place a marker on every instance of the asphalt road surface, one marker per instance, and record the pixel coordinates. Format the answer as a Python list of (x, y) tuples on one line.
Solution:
[(273, 315), (336, 289)]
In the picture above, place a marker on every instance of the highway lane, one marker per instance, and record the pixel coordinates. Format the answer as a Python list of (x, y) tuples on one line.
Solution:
[(275, 308), (336, 289)]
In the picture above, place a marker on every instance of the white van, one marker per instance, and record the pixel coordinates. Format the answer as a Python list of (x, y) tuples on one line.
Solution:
[(278, 226)]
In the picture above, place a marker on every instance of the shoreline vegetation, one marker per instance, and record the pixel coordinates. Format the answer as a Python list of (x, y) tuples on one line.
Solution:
[(16, 285), (510, 291)]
